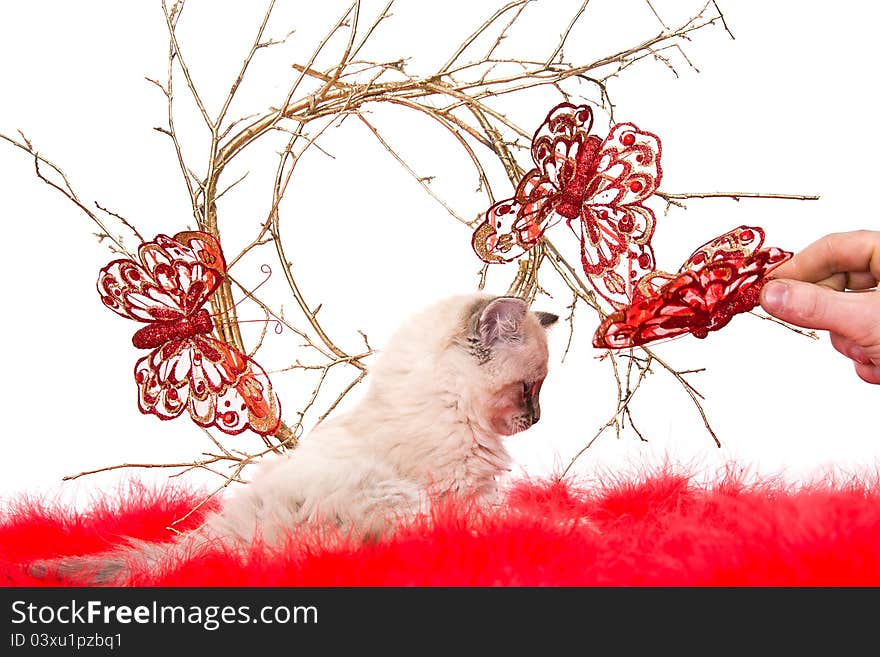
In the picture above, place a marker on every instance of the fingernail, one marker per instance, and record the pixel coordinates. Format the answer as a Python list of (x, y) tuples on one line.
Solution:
[(774, 295)]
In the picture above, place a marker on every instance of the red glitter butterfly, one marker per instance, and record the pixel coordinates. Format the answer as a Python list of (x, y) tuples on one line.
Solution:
[(597, 187), (719, 280), (188, 368)]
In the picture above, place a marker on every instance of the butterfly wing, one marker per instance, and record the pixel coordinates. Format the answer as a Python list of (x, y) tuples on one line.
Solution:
[(174, 278), (513, 226), (559, 143), (616, 227), (613, 263), (742, 241), (628, 171), (658, 316), (721, 279), (217, 384), (732, 269)]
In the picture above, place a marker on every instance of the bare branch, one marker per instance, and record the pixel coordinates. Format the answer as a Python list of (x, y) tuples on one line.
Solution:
[(257, 44), (736, 196), (654, 11), (690, 390), (503, 34), (612, 421), (122, 220), (723, 20), (564, 36), (231, 185), (419, 179), (796, 329), (64, 187), (381, 17), (482, 28), (171, 22)]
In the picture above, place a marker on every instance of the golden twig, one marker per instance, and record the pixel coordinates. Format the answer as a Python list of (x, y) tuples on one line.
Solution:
[(736, 196)]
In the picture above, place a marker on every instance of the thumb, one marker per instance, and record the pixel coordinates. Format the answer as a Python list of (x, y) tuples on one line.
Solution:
[(853, 315)]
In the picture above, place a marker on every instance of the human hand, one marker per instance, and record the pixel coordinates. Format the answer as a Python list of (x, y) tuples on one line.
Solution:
[(810, 291)]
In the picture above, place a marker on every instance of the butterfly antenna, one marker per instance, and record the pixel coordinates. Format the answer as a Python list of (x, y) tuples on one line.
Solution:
[(278, 328), (266, 269)]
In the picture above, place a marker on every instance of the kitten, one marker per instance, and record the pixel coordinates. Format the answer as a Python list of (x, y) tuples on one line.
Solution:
[(451, 383)]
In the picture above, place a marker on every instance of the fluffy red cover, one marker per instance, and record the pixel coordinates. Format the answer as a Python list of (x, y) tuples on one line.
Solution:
[(659, 529)]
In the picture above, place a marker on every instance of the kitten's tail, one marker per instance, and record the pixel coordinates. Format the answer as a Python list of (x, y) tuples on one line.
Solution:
[(116, 566)]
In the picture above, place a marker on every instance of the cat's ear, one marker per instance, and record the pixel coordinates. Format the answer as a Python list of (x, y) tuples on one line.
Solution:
[(501, 321), (546, 319)]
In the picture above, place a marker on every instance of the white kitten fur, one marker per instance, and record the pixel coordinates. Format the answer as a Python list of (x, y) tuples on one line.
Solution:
[(422, 428), (441, 396)]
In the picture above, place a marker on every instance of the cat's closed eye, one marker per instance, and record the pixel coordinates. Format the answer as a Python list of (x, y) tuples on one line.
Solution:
[(531, 388), (530, 405)]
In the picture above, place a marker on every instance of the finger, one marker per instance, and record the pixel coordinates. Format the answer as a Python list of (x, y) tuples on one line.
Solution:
[(852, 315), (860, 281), (849, 281), (869, 373), (857, 251), (850, 349)]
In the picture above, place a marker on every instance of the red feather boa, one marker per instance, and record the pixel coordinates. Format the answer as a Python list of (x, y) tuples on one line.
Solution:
[(661, 529)]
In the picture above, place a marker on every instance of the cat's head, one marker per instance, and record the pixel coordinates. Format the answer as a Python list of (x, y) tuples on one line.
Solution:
[(506, 345)]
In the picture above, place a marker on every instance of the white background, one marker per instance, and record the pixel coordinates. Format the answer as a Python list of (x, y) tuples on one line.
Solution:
[(788, 107)]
